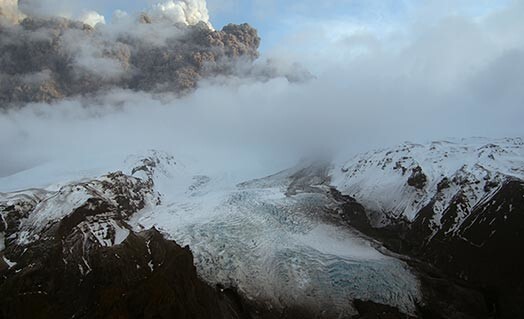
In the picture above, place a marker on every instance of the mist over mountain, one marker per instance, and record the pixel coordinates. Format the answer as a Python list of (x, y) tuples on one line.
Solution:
[(328, 87)]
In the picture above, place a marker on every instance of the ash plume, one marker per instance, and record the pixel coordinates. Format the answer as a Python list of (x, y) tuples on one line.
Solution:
[(168, 49)]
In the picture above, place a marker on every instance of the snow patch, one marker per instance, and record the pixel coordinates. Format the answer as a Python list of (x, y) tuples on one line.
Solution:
[(9, 263), (121, 233), (107, 232)]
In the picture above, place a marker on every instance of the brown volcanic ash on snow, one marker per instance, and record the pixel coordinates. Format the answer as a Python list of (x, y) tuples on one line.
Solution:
[(46, 58)]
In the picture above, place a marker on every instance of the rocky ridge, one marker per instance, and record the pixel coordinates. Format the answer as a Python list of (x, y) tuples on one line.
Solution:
[(71, 253), (299, 223), (457, 205)]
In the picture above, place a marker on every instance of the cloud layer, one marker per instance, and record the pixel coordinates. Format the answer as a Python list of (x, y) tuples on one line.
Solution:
[(188, 12), (454, 76)]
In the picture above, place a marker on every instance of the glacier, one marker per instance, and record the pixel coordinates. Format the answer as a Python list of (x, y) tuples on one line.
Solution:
[(274, 246)]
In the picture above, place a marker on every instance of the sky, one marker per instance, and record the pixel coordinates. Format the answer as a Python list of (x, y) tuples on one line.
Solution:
[(275, 20), (384, 72)]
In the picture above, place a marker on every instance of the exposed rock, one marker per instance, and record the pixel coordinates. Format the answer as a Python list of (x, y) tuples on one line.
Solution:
[(465, 255), (80, 259), (71, 253), (371, 310), (463, 221), (417, 178), (483, 250), (444, 184), (442, 297), (144, 277)]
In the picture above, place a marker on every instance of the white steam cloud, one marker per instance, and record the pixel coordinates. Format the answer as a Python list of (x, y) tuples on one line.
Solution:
[(9, 11), (92, 18), (188, 12)]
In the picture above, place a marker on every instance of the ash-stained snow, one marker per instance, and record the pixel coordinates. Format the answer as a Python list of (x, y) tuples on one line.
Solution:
[(387, 182)]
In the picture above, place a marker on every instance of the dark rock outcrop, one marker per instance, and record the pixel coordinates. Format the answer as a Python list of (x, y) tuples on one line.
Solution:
[(89, 263), (417, 179), (442, 296), (477, 262), (72, 254), (144, 277), (483, 250), (371, 310), (459, 216)]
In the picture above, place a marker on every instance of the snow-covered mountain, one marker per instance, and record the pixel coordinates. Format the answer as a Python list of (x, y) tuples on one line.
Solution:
[(457, 204), (311, 238), (399, 182), (279, 247), (274, 239), (70, 252)]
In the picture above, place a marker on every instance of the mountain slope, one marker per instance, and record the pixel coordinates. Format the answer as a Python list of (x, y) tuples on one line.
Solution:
[(71, 253), (291, 244), (274, 240), (455, 204)]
